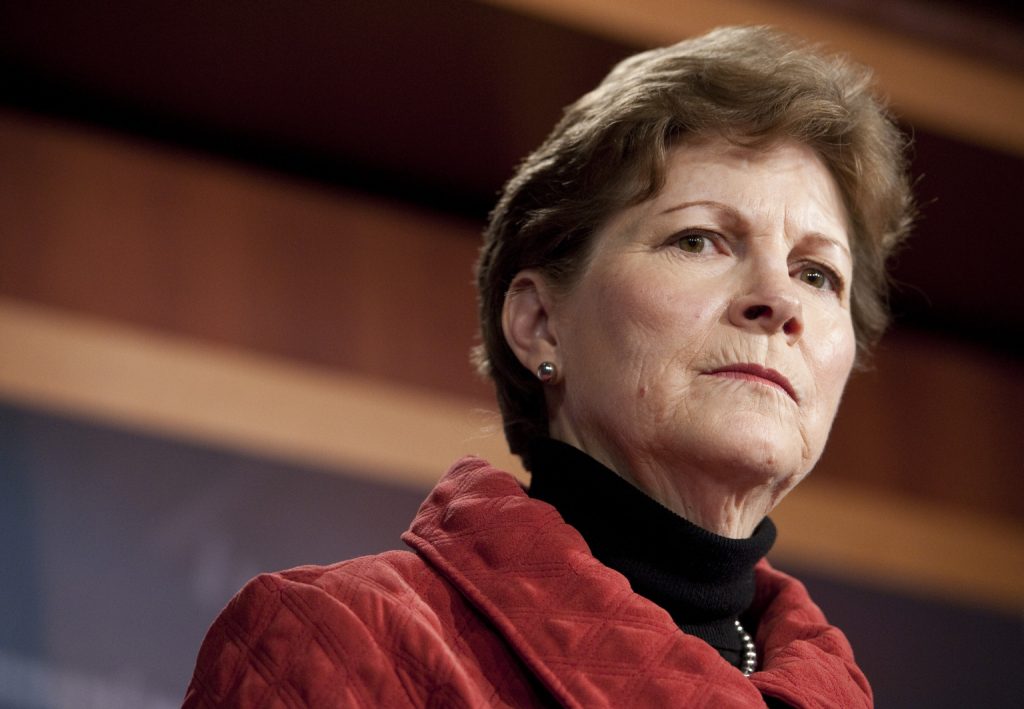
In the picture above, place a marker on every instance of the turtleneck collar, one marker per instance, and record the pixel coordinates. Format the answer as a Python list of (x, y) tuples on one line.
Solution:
[(705, 581)]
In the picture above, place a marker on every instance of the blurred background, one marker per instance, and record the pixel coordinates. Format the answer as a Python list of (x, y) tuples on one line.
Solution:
[(236, 243)]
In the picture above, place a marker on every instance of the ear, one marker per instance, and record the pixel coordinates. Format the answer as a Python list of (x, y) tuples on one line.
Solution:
[(526, 321)]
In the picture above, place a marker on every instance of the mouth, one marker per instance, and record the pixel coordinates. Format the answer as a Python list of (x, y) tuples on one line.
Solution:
[(757, 374)]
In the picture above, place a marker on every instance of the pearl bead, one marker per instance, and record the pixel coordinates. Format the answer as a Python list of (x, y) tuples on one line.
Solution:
[(750, 660)]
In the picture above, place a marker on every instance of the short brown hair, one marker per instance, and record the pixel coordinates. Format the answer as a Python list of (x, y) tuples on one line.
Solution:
[(750, 85)]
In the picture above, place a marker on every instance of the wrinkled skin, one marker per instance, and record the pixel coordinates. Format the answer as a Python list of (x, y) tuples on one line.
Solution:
[(741, 261)]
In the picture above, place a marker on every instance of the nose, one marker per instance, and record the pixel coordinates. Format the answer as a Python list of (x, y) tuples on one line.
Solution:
[(770, 306)]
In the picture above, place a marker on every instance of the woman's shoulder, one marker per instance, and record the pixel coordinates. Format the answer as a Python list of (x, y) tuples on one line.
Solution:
[(334, 592), (319, 628), (389, 571)]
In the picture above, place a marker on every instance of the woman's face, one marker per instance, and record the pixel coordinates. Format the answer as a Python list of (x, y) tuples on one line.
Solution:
[(711, 329)]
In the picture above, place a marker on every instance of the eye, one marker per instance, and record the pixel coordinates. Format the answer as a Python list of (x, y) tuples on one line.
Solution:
[(693, 242), (821, 278)]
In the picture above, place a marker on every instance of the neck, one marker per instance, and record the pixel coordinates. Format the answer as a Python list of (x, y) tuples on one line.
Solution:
[(729, 507), (728, 500)]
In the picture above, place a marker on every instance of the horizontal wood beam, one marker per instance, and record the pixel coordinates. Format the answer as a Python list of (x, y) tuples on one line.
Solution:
[(177, 387), (932, 86)]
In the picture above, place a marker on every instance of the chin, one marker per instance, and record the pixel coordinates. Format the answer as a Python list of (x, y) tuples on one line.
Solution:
[(761, 455)]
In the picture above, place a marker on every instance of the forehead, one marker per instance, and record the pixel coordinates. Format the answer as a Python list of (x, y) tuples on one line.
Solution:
[(786, 180)]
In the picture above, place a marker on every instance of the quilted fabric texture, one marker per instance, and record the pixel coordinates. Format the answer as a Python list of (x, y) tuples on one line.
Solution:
[(501, 605)]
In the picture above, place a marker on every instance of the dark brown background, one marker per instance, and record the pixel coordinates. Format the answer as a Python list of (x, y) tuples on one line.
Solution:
[(308, 180), (425, 107)]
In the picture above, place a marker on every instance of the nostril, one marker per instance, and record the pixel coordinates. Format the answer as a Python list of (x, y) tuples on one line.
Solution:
[(756, 311)]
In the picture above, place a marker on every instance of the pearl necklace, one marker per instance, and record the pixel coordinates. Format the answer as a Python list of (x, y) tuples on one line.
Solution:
[(750, 659)]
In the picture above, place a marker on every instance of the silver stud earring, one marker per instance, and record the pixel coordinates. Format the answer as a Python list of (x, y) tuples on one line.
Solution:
[(546, 372)]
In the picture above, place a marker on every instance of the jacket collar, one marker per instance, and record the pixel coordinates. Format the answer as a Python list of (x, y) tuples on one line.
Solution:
[(574, 622), (583, 632)]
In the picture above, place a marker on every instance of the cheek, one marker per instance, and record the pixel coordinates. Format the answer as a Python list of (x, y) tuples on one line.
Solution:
[(633, 334), (613, 341), (654, 328), (832, 365), (669, 312)]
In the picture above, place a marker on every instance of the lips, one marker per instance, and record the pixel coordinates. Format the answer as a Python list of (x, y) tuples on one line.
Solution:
[(757, 373)]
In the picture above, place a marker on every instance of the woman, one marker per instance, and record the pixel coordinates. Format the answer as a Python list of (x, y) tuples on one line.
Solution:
[(673, 291)]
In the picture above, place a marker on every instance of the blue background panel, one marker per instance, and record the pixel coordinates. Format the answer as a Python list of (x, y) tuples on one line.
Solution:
[(118, 549)]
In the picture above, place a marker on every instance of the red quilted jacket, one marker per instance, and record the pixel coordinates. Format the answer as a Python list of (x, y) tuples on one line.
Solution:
[(501, 604)]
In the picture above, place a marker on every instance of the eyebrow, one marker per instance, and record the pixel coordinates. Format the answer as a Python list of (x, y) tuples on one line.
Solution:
[(732, 211), (736, 215), (818, 236)]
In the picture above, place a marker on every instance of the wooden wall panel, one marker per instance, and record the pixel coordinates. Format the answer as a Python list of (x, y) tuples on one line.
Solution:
[(930, 84), (169, 241), (934, 419), (438, 111), (235, 400)]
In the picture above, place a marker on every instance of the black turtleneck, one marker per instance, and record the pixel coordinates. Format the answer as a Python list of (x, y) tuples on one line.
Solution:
[(704, 581)]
